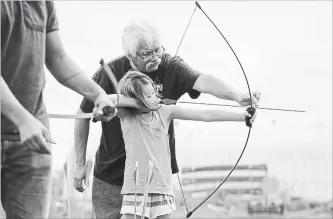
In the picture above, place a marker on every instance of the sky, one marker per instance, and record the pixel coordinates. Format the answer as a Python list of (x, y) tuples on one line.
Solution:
[(284, 47)]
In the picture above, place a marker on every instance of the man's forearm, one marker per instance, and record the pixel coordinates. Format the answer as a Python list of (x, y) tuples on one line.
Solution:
[(75, 78), (11, 107), (216, 87), (81, 133)]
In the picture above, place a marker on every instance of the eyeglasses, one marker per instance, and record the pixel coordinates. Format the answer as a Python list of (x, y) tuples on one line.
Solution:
[(149, 54)]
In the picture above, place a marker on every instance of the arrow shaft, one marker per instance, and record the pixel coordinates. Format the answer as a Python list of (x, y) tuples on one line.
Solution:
[(90, 115), (229, 105), (71, 116)]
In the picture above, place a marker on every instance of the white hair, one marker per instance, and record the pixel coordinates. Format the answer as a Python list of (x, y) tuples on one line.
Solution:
[(136, 34)]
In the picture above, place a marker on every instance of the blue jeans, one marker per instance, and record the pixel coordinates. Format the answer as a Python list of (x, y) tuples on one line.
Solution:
[(26, 181)]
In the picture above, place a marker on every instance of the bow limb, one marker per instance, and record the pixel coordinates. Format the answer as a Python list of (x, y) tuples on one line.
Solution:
[(111, 77), (107, 109), (250, 126), (189, 213)]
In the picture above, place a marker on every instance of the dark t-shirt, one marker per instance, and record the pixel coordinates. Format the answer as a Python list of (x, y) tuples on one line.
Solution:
[(173, 78), (24, 25)]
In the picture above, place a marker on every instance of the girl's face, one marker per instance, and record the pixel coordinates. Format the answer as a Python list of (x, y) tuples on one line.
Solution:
[(149, 91), (141, 87)]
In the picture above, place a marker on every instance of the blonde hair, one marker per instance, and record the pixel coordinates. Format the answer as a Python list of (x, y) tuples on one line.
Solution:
[(136, 34), (131, 85)]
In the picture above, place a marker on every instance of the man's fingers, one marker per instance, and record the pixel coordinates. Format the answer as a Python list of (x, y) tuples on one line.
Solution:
[(78, 185), (99, 111), (99, 115), (43, 146), (95, 109), (257, 95), (47, 136), (254, 100), (26, 140), (31, 144), (247, 100)]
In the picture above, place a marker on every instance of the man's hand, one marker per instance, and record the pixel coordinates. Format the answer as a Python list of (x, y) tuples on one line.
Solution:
[(82, 173), (35, 136), (245, 99), (79, 176), (104, 117), (101, 103)]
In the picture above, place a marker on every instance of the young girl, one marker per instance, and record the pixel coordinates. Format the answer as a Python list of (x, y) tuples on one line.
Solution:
[(147, 145)]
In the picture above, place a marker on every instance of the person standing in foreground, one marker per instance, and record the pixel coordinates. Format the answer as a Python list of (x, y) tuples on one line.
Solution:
[(30, 39), (172, 76), (146, 139)]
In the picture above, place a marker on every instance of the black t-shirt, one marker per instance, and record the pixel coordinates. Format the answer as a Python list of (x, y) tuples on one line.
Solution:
[(173, 78)]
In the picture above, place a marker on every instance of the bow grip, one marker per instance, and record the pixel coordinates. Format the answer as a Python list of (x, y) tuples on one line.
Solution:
[(107, 110), (251, 111)]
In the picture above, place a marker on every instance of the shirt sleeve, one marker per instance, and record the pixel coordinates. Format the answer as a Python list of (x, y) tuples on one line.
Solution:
[(100, 77), (184, 76), (52, 20)]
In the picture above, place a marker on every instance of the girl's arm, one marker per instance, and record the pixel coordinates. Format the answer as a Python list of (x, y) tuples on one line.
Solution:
[(205, 115)]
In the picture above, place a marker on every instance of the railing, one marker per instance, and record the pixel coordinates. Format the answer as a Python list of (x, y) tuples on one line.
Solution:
[(245, 179)]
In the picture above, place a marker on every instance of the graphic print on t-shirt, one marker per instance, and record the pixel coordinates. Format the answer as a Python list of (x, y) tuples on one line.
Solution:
[(159, 86), (154, 76)]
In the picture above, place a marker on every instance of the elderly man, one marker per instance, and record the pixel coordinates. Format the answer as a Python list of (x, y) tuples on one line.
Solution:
[(173, 77), (30, 39)]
